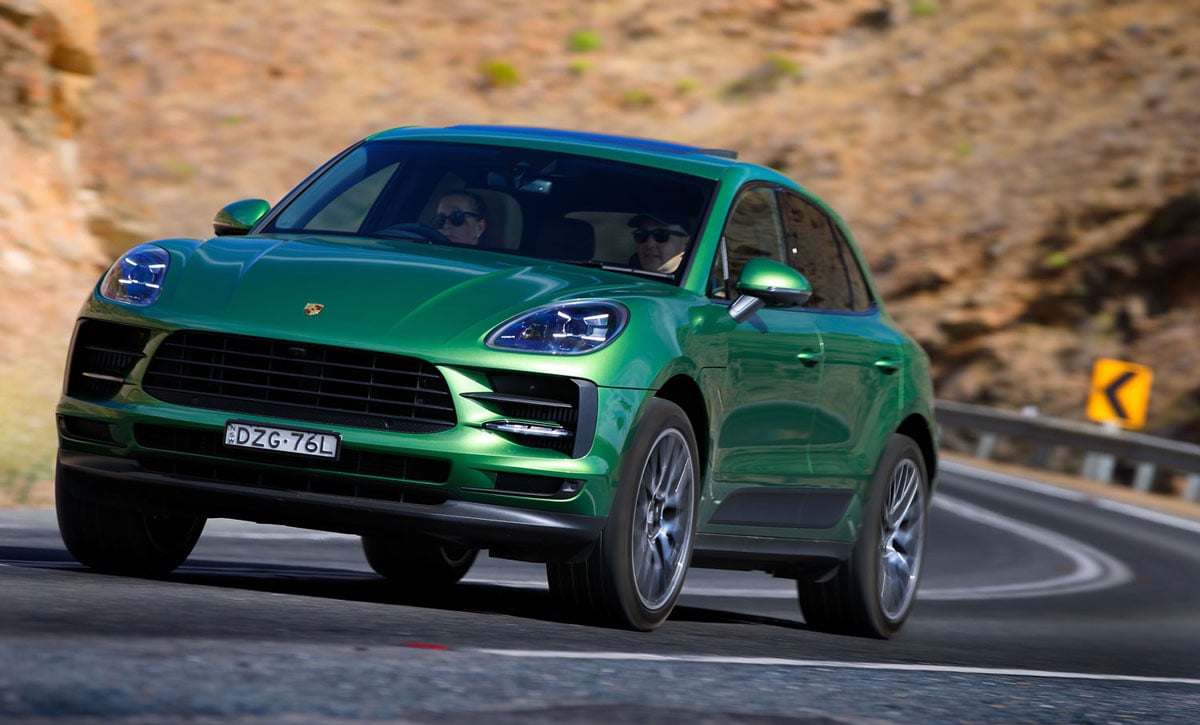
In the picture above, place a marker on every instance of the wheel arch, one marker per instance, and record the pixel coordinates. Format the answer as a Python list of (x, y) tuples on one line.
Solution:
[(916, 427), (685, 392)]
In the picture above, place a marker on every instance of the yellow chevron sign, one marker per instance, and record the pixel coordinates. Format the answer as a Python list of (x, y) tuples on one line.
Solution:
[(1120, 393)]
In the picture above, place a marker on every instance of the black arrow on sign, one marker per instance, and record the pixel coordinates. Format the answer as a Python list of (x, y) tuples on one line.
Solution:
[(1110, 392)]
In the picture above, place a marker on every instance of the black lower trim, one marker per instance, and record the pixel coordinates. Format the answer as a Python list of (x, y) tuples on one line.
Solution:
[(795, 507), (507, 531), (791, 558)]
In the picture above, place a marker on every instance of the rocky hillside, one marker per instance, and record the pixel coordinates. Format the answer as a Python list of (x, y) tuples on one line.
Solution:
[(1024, 177), (47, 64)]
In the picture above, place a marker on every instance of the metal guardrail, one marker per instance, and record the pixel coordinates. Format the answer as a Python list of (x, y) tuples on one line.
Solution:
[(1102, 444)]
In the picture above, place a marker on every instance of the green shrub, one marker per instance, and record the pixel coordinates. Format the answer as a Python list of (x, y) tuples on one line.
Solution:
[(636, 98), (1056, 261), (922, 8), (500, 74), (584, 41), (764, 77)]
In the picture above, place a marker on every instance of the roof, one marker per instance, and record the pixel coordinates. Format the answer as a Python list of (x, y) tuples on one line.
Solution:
[(602, 138), (562, 136)]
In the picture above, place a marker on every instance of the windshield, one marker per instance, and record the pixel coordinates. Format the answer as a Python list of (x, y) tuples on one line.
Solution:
[(535, 203)]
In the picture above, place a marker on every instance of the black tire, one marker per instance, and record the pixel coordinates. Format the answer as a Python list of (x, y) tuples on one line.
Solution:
[(873, 592), (110, 535), (635, 570), (416, 562)]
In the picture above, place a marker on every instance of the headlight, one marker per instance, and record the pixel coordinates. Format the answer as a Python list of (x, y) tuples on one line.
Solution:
[(565, 329), (136, 278)]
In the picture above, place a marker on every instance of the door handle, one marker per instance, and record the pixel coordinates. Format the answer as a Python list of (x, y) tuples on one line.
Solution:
[(887, 365), (810, 357)]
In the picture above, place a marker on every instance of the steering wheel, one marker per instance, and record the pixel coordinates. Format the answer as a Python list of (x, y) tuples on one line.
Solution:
[(414, 230)]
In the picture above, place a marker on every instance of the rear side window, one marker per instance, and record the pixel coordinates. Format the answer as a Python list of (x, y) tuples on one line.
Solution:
[(815, 250)]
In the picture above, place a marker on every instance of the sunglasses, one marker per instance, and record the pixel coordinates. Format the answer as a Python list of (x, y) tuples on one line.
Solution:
[(659, 235), (456, 218)]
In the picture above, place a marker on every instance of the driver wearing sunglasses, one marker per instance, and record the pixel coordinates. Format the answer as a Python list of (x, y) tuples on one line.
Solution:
[(461, 216), (660, 243)]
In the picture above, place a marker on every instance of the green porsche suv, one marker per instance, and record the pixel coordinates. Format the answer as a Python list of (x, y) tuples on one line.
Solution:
[(617, 356)]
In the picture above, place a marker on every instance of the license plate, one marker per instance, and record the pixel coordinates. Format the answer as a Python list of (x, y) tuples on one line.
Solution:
[(282, 440)]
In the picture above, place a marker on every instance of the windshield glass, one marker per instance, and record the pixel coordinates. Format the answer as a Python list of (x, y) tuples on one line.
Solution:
[(519, 201)]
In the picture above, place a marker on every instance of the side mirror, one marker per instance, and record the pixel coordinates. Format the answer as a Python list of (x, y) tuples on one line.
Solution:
[(240, 217), (767, 282)]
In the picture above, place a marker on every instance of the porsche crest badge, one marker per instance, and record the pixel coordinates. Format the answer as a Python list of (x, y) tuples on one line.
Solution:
[(313, 308)]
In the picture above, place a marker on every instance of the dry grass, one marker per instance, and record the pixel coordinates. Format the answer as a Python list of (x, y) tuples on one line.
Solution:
[(30, 389)]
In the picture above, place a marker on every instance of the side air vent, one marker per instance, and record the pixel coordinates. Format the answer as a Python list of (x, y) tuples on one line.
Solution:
[(83, 429), (541, 411), (102, 357), (548, 486)]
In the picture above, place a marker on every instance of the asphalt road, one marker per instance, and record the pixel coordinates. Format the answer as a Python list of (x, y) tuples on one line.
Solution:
[(1039, 605)]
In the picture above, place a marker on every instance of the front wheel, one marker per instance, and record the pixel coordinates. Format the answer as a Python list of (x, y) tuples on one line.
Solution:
[(636, 569), (873, 592), (417, 562), (109, 535)]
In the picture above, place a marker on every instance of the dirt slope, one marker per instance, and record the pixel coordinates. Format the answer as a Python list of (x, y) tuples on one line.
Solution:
[(1023, 176)]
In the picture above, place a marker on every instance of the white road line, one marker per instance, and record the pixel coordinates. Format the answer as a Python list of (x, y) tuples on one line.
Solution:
[(275, 536), (1093, 569), (827, 664)]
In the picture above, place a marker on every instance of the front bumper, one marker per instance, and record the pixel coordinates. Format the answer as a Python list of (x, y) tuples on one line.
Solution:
[(477, 455), (508, 531)]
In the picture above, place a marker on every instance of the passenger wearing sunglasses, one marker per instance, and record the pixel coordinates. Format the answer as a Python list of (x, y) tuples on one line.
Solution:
[(660, 243), (461, 216)]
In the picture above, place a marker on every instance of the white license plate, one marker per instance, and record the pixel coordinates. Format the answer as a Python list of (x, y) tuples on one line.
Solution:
[(282, 440)]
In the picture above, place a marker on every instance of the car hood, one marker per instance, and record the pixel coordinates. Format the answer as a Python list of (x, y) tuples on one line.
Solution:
[(392, 293)]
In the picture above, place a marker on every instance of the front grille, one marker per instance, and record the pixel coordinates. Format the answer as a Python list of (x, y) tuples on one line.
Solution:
[(301, 381), (102, 357), (364, 463)]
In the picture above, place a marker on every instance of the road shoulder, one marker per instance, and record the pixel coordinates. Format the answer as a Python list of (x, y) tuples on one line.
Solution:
[(1116, 492)]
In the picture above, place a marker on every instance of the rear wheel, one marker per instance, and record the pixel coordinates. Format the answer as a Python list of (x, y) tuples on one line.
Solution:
[(418, 562), (636, 569), (873, 592), (111, 535)]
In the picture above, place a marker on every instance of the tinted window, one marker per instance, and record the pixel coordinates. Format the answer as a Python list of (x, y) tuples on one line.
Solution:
[(752, 230), (860, 293), (823, 257)]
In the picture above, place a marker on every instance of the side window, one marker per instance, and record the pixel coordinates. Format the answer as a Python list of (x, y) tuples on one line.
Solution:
[(860, 293), (823, 257), (752, 230)]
